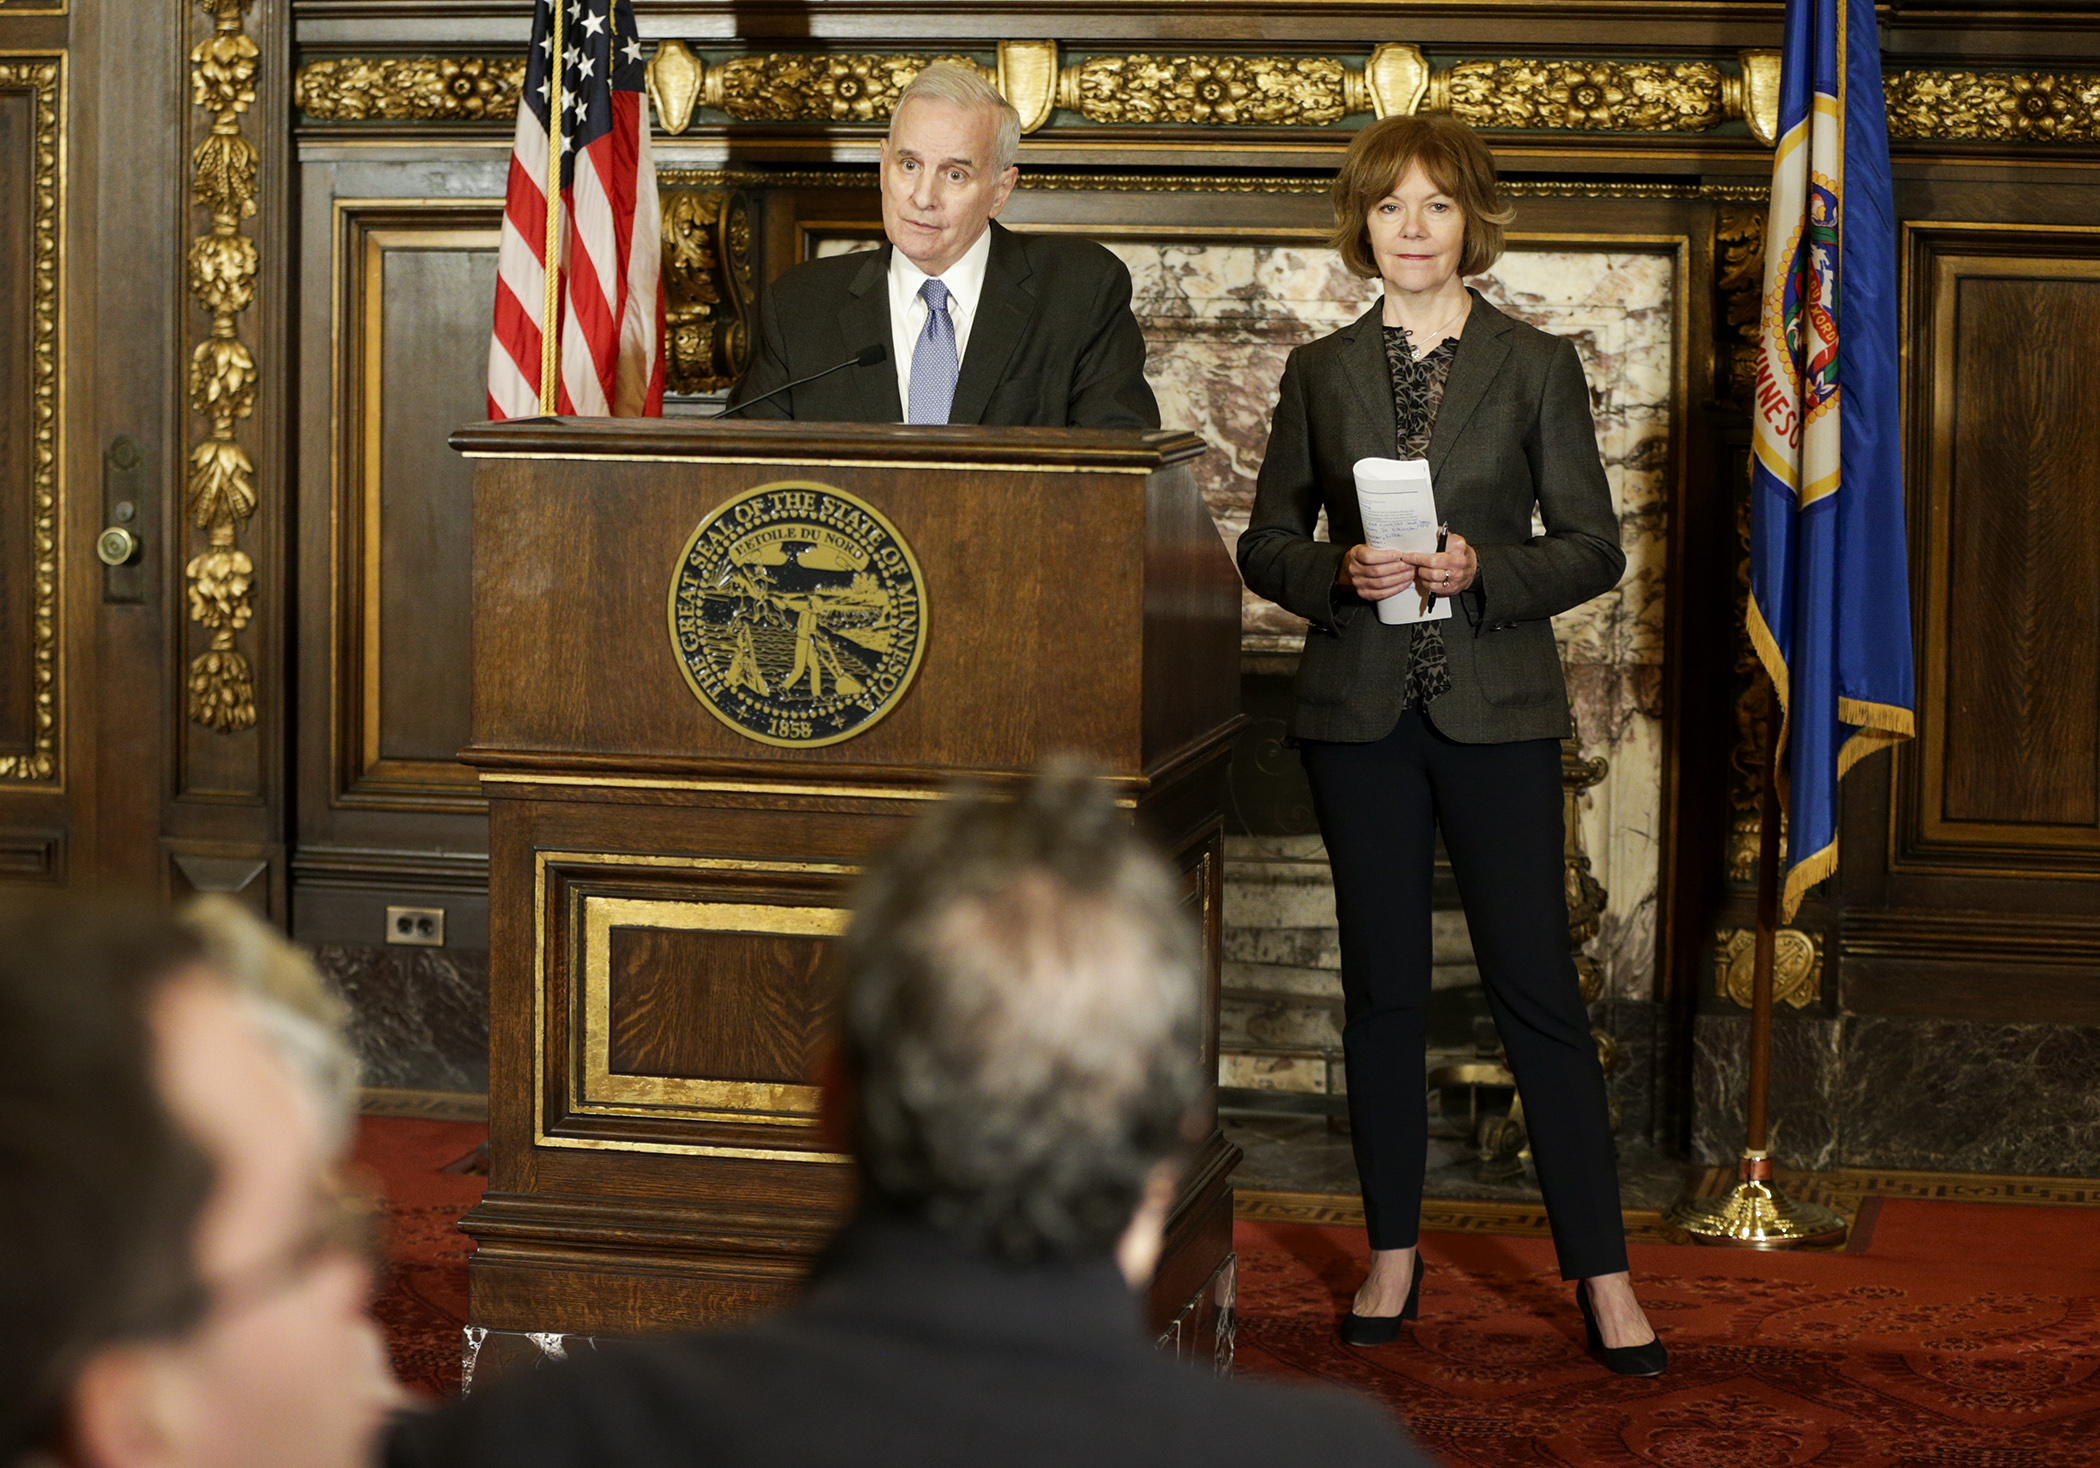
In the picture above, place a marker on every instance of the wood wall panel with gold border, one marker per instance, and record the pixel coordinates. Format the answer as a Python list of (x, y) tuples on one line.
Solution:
[(32, 490), (1971, 876), (2004, 780), (414, 280)]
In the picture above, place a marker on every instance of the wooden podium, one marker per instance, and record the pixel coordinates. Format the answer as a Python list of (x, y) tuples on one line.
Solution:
[(715, 665)]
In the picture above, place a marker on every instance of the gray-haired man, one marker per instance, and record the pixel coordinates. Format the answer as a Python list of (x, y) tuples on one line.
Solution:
[(976, 324), (1018, 1064)]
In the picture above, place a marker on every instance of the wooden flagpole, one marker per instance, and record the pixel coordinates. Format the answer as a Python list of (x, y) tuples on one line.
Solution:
[(550, 308), (1755, 1214)]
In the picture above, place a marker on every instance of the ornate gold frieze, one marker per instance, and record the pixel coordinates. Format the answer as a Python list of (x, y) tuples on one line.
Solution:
[(708, 287), (2033, 107), (223, 375), (1797, 966), (42, 78), (1621, 96), (1223, 89), (421, 88), (813, 86), (1302, 91)]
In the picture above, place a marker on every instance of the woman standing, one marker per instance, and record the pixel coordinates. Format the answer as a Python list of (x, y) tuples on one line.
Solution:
[(1455, 724)]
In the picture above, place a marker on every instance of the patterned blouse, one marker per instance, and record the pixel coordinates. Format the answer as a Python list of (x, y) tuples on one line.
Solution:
[(1418, 387)]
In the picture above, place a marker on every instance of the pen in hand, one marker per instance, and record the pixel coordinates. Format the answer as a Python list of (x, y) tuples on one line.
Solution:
[(1443, 538)]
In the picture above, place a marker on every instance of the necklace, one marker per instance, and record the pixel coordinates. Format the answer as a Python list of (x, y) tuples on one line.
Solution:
[(1436, 334)]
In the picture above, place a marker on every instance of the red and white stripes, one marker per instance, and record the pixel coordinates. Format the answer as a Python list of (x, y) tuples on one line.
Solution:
[(612, 303)]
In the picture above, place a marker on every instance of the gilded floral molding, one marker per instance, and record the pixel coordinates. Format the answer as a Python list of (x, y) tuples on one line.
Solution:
[(223, 376), (708, 286), (1797, 966), (1619, 96), (2033, 107), (1302, 91), (1226, 90), (786, 87), (1219, 89), (43, 79), (428, 88)]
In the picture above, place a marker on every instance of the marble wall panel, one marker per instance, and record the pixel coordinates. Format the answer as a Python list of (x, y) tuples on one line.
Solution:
[(419, 1017), (1219, 320), (1953, 1096), (1807, 1076)]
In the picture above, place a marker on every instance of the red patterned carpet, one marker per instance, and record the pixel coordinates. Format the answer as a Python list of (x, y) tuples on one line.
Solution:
[(422, 1302), (1966, 1335)]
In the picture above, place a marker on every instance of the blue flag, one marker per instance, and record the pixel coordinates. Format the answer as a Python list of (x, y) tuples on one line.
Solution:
[(1830, 594)]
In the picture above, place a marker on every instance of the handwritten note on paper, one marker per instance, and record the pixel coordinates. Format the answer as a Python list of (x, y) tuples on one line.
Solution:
[(1399, 510)]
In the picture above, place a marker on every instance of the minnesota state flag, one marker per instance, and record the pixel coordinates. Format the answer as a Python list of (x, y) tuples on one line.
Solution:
[(1830, 597)]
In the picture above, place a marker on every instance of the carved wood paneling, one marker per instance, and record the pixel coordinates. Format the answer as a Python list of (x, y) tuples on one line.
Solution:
[(416, 281), (725, 1005), (682, 1000), (2006, 777), (224, 375), (31, 228)]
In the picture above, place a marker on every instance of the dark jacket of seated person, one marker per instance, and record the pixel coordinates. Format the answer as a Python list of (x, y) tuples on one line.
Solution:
[(908, 1351), (1018, 1079)]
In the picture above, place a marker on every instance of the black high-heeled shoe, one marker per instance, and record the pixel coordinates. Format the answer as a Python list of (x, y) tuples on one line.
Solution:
[(1650, 1358), (1380, 1330)]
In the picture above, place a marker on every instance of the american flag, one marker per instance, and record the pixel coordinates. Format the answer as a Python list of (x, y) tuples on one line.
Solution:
[(612, 300)]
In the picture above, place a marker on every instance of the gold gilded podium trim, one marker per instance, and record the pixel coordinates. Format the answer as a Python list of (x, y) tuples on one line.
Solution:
[(765, 1102), (679, 1097)]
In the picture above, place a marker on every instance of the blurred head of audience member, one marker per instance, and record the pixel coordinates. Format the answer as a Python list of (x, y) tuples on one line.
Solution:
[(184, 1280), (1022, 1028)]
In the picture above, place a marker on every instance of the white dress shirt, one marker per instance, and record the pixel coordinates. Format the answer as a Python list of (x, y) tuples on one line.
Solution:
[(965, 282)]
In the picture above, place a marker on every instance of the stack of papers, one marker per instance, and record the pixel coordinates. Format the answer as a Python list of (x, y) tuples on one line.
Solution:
[(1399, 511)]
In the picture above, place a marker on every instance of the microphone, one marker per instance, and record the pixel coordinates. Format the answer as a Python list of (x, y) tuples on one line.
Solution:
[(867, 356)]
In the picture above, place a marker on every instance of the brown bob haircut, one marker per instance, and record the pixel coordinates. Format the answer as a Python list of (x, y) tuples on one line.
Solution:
[(1455, 160)]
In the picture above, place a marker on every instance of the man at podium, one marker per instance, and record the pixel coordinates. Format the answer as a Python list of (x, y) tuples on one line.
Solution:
[(956, 319)]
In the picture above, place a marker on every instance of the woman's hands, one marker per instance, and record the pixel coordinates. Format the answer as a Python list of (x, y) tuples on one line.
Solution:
[(1375, 575)]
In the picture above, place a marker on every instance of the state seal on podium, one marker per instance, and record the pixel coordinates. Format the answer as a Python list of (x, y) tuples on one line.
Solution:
[(798, 614)]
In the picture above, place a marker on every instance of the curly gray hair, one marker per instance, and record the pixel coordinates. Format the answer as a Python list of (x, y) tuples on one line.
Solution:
[(1022, 1020)]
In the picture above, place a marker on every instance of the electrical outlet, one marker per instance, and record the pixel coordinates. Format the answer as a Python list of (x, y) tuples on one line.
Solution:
[(422, 926)]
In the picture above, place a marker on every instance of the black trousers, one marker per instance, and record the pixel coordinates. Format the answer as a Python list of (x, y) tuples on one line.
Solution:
[(1499, 806)]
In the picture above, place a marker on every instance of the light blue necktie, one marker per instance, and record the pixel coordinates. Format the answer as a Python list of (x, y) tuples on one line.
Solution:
[(934, 367)]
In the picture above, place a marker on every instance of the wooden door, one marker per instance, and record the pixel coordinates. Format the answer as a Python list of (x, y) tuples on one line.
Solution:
[(137, 741)]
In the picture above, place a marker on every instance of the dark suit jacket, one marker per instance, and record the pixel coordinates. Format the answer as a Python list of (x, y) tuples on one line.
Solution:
[(1513, 431), (1053, 345), (906, 1352)]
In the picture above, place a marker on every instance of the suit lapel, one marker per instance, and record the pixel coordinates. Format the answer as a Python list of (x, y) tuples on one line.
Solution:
[(1482, 348), (1371, 379), (1004, 309), (864, 321)]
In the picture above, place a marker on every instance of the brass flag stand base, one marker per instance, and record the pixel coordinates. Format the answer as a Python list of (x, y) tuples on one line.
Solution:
[(1755, 1214)]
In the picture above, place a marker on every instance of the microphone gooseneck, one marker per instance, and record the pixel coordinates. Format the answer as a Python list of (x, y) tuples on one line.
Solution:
[(868, 356)]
